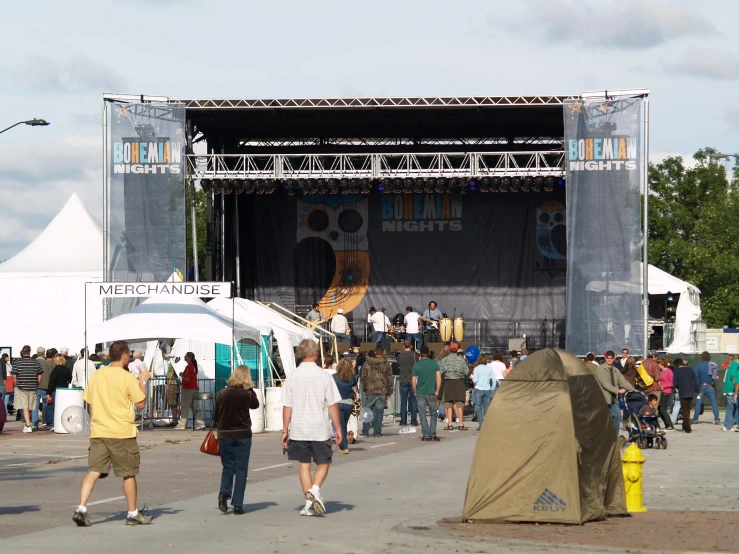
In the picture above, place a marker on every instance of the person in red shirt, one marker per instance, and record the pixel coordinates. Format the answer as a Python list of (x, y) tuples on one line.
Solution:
[(189, 390), (728, 362)]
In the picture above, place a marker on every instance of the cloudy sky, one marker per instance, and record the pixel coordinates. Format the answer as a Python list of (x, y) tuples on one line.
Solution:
[(59, 57)]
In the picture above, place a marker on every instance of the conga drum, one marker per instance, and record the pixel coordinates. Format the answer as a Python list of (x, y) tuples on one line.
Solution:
[(445, 329), (459, 329)]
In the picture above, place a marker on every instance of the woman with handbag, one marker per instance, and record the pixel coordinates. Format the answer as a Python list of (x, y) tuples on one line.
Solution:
[(346, 382), (234, 436)]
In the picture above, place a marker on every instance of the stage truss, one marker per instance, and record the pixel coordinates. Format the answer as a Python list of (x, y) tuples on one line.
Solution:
[(377, 166)]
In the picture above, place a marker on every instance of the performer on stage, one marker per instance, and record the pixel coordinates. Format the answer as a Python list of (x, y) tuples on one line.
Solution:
[(340, 326), (412, 328), (431, 318), (380, 323), (314, 317)]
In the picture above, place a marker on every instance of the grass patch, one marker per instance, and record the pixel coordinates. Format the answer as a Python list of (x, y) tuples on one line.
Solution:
[(170, 441)]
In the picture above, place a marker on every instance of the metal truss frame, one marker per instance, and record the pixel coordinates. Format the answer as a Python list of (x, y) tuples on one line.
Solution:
[(376, 166), (303, 142), (377, 102)]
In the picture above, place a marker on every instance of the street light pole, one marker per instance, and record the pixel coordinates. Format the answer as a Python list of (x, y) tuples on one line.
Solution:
[(32, 122)]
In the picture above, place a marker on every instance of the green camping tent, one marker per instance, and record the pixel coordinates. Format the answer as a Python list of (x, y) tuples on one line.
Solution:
[(547, 451)]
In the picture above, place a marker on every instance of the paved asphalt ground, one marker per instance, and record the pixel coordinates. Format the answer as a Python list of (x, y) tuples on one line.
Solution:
[(388, 495)]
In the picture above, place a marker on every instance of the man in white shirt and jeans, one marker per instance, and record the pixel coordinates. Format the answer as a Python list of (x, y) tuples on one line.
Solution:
[(310, 403), (340, 326), (412, 328)]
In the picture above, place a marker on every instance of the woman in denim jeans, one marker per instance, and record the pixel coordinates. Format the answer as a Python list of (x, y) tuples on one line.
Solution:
[(485, 385), (346, 382), (234, 436)]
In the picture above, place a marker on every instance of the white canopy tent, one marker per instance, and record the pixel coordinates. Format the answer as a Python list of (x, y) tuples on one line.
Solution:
[(42, 288), (172, 317), (660, 282), (287, 333)]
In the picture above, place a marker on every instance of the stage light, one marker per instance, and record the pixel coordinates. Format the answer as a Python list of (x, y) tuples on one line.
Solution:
[(239, 186), (485, 184), (345, 186), (333, 186), (206, 185), (322, 187), (418, 186), (441, 185), (408, 186), (429, 186), (472, 185), (366, 186), (290, 187), (516, 184), (528, 182), (270, 186), (560, 183), (382, 188), (217, 186), (249, 186), (538, 184), (505, 184), (397, 186), (495, 184), (354, 186), (549, 184)]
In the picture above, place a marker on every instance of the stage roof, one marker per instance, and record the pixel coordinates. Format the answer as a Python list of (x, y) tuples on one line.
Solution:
[(423, 118)]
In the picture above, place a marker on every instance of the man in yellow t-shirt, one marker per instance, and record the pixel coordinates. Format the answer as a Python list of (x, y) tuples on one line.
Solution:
[(112, 393)]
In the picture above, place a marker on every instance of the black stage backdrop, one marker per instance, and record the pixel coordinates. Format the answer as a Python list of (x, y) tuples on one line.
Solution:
[(498, 259)]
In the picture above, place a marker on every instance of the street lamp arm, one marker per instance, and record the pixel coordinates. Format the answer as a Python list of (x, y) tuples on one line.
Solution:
[(8, 128)]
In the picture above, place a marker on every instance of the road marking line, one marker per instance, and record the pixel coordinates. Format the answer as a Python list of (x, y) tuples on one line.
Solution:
[(104, 501), (271, 467), (386, 444), (22, 464)]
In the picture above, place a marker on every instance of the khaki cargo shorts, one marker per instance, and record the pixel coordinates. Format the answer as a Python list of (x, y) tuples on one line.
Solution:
[(25, 400), (122, 454)]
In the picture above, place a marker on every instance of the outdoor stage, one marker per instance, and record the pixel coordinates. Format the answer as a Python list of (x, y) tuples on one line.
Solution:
[(392, 203), (494, 207)]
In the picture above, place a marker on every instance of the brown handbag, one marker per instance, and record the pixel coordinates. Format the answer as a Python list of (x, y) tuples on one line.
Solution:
[(210, 443)]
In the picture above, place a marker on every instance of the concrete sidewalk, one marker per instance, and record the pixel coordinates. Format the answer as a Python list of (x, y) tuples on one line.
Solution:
[(390, 503)]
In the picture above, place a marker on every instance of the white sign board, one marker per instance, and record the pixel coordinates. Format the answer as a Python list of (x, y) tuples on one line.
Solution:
[(140, 290), (712, 344), (731, 348)]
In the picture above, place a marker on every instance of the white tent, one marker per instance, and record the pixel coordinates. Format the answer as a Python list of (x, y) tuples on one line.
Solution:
[(661, 282), (42, 288), (287, 333), (172, 317)]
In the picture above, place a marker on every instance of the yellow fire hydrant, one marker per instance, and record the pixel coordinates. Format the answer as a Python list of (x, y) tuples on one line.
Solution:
[(632, 468)]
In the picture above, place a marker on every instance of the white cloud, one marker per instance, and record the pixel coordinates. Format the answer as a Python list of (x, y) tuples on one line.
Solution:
[(44, 74), (707, 64), (659, 157), (625, 24)]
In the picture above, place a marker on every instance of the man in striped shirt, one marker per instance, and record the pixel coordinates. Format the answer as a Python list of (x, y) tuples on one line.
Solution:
[(27, 375)]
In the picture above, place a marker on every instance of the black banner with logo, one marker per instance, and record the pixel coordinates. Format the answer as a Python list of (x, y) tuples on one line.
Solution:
[(605, 162)]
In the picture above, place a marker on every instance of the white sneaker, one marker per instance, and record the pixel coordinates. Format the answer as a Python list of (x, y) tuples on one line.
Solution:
[(307, 512), (27, 429), (724, 429), (315, 497)]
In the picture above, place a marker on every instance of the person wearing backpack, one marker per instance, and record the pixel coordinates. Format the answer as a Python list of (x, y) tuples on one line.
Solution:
[(706, 374)]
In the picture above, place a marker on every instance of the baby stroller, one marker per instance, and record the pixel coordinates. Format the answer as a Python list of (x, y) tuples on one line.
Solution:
[(644, 431)]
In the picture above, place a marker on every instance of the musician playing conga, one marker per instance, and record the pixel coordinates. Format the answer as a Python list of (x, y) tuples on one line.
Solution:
[(431, 317)]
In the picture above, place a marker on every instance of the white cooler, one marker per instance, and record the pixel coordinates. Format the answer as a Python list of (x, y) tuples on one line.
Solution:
[(257, 416), (63, 400)]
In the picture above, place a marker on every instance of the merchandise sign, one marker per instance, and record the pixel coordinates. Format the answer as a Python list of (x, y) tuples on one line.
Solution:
[(141, 290)]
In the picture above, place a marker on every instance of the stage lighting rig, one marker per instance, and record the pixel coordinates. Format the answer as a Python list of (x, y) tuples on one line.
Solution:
[(418, 186), (321, 186), (472, 184), (354, 186), (516, 184), (495, 184), (270, 186), (485, 184), (538, 184), (382, 187), (430, 185), (290, 187), (238, 186), (333, 186), (206, 185), (408, 186), (345, 185), (441, 185), (249, 186), (505, 184), (528, 182), (549, 184), (397, 186), (366, 187)]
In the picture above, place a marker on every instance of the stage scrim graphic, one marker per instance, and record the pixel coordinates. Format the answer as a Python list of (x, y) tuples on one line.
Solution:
[(497, 258), (146, 179), (604, 156)]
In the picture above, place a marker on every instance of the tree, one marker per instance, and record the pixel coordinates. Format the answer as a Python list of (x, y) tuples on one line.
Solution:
[(694, 231), (200, 219)]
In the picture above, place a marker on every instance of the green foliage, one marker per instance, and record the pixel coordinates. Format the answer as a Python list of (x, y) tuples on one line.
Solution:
[(694, 231), (200, 214)]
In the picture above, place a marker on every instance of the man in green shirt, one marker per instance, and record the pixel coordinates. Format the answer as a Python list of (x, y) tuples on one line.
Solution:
[(731, 387), (426, 385)]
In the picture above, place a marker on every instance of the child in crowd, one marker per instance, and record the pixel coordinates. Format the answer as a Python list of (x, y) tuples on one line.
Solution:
[(648, 414)]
